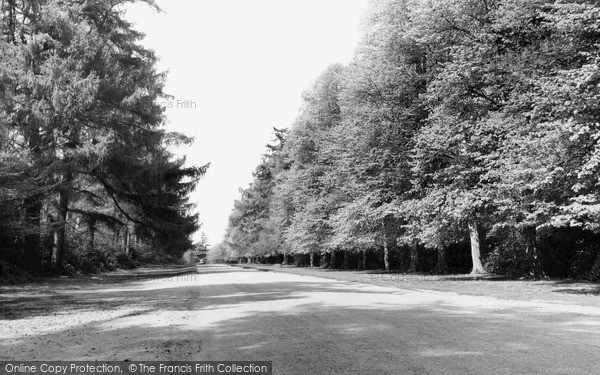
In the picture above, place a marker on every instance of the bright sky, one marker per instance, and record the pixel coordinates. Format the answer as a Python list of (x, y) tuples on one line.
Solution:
[(244, 64)]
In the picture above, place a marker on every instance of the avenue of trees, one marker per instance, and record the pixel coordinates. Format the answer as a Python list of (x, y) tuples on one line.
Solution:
[(464, 136), (87, 180)]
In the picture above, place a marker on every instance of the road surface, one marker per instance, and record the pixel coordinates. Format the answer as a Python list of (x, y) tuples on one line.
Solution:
[(305, 325)]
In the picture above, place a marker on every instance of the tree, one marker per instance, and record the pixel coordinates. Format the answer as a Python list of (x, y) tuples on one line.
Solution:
[(250, 231), (457, 122), (381, 112), (80, 98), (306, 196)]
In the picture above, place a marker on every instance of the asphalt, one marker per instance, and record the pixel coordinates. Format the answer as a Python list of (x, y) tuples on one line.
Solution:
[(305, 325)]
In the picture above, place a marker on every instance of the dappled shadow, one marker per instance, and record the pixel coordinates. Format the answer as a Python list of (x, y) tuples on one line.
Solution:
[(305, 325), (151, 294)]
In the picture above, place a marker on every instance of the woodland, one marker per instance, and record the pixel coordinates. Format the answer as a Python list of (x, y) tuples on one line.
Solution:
[(462, 137), (88, 178)]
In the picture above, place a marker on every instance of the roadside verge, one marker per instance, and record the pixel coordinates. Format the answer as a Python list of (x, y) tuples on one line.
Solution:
[(547, 291)]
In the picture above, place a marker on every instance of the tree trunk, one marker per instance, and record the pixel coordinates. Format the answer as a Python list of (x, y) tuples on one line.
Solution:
[(442, 266), (386, 256), (361, 260), (12, 18), (414, 257), (127, 240), (32, 240), (475, 249), (386, 250), (58, 248), (333, 259), (531, 253), (285, 259), (312, 259), (34, 205), (346, 262), (91, 234)]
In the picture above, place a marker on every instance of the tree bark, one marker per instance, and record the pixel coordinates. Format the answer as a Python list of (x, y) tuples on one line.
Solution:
[(285, 259), (475, 249), (12, 21), (386, 256), (414, 257), (386, 250), (312, 259), (58, 248), (127, 240), (333, 259)]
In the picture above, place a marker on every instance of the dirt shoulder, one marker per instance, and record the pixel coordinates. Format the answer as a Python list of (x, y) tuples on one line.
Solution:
[(53, 295), (552, 291), (141, 273)]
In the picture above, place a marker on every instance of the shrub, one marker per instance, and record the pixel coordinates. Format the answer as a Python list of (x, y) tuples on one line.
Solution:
[(125, 262), (94, 262), (508, 252), (11, 274)]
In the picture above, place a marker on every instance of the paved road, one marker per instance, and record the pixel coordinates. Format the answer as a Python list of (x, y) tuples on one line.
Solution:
[(306, 325)]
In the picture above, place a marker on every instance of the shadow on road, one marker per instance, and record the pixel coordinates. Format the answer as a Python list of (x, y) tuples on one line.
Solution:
[(306, 325)]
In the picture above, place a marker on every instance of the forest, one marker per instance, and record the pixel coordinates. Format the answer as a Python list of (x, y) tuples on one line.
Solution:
[(88, 178), (462, 137)]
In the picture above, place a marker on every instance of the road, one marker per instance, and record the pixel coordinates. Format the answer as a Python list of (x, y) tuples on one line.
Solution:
[(305, 325)]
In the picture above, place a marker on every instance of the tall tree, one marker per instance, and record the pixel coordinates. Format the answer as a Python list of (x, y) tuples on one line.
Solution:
[(83, 104)]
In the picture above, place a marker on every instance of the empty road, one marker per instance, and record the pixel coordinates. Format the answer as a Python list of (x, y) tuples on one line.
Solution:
[(305, 325)]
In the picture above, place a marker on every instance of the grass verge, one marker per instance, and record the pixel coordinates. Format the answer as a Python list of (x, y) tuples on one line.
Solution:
[(547, 290)]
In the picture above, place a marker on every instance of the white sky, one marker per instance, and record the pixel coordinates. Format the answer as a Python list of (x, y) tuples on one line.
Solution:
[(245, 64)]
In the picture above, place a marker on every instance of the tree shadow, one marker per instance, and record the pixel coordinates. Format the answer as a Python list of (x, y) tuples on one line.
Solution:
[(324, 327), (147, 294)]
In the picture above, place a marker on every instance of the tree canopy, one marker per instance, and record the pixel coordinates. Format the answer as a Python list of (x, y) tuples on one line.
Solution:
[(462, 137), (84, 154)]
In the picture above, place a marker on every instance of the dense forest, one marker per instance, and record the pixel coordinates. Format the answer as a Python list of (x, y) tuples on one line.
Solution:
[(462, 137), (87, 178)]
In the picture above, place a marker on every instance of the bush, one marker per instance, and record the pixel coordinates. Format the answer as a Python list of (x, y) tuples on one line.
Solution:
[(69, 270), (302, 260), (94, 262), (125, 262), (508, 253), (11, 274), (594, 274)]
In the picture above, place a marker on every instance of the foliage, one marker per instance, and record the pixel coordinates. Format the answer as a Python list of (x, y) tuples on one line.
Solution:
[(457, 122), (83, 149)]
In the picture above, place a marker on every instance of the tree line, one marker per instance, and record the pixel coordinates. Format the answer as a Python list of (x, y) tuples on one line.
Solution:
[(462, 137), (87, 178)]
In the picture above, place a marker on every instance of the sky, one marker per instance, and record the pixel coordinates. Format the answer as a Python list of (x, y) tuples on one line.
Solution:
[(237, 68)]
